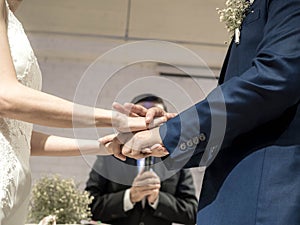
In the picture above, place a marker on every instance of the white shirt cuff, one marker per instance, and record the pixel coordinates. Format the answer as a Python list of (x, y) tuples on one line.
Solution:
[(127, 204), (155, 204)]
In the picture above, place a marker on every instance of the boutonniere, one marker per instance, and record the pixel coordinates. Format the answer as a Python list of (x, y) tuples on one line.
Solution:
[(233, 15)]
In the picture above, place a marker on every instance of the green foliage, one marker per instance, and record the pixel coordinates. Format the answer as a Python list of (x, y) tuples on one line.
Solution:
[(53, 195)]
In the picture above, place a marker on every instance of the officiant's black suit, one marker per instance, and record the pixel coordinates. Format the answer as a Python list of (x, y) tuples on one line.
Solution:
[(110, 178)]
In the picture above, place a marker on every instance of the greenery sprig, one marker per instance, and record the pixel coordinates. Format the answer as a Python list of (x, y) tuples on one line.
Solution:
[(53, 195)]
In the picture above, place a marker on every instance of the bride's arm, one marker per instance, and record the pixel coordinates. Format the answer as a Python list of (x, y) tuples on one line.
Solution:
[(20, 102), (49, 145)]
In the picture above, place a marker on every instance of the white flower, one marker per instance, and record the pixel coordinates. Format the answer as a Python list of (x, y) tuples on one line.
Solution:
[(233, 16)]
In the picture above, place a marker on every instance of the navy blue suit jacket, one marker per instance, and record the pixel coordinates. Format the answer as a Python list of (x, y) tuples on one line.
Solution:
[(248, 128)]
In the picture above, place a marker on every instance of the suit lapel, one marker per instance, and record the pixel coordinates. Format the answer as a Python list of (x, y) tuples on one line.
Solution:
[(225, 65)]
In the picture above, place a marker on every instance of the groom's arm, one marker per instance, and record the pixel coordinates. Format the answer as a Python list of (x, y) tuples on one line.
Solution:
[(259, 95)]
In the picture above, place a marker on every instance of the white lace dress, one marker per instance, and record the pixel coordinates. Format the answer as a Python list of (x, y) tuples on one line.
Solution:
[(15, 179)]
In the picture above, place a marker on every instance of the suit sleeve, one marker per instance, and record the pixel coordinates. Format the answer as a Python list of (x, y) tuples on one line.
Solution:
[(181, 207), (245, 102), (105, 206)]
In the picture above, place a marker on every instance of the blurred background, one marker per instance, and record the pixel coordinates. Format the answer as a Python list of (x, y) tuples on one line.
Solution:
[(68, 35)]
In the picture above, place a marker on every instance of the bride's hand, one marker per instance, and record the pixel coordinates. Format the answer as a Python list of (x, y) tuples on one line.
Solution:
[(114, 142), (126, 124), (138, 117)]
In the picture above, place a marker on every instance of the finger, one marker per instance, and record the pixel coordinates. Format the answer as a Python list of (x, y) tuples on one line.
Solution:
[(147, 175), (109, 148), (120, 108), (157, 121), (142, 171), (145, 193), (136, 109), (146, 154), (144, 186), (146, 151), (136, 148), (117, 151), (154, 112), (156, 146), (136, 153), (155, 176), (124, 110), (147, 190), (162, 152), (170, 115), (147, 183), (120, 156), (126, 150), (159, 151), (152, 182), (108, 138)]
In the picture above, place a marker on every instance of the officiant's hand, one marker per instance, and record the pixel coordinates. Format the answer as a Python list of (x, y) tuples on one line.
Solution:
[(145, 185)]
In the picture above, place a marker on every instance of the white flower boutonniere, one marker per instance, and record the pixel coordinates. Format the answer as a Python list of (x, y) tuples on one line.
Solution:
[(233, 16)]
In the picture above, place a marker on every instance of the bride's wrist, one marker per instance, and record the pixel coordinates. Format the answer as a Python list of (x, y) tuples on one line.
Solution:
[(104, 118)]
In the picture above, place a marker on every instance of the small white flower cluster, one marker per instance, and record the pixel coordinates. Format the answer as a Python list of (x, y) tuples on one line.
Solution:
[(233, 15)]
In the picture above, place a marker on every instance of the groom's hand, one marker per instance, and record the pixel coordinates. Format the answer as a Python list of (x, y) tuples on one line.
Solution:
[(144, 143), (138, 145)]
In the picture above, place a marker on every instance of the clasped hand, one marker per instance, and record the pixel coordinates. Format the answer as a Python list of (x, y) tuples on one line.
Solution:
[(138, 136), (145, 185)]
